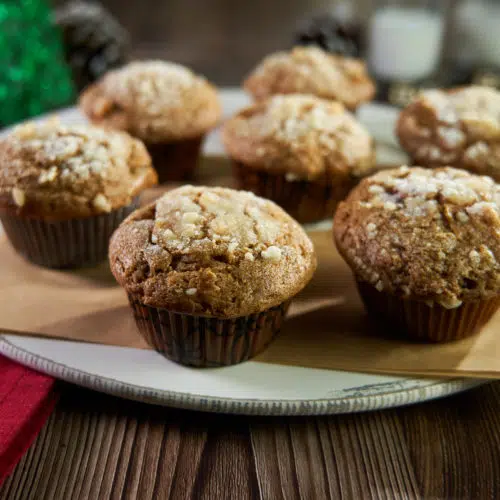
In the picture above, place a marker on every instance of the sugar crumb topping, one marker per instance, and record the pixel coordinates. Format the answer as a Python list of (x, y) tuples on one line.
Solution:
[(312, 60), (295, 117), (153, 82), (419, 192), (311, 70), (70, 152), (79, 169), (467, 104), (235, 223), (467, 119), (305, 125)]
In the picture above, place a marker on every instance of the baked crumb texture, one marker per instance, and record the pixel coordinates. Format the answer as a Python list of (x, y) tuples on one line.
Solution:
[(460, 127), (431, 235), (302, 136), (311, 70), (156, 101), (213, 252), (49, 170)]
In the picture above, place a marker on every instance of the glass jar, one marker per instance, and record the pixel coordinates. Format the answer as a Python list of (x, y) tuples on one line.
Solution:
[(405, 39)]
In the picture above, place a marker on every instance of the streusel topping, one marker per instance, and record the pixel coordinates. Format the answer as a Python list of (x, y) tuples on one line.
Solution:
[(433, 235), (155, 100), (470, 104), (54, 170), (459, 127), (311, 70), (302, 135), (212, 251)]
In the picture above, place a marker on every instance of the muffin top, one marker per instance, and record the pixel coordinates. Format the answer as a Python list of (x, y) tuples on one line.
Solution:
[(311, 70), (156, 101), (430, 235), (59, 172), (213, 252), (459, 127), (302, 136)]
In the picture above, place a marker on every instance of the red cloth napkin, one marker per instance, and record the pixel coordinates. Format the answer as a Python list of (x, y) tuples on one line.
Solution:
[(27, 398)]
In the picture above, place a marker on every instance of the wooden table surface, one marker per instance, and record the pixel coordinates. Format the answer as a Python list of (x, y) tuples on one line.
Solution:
[(96, 446)]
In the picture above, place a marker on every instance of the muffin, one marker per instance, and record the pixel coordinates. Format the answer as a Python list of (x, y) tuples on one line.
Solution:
[(424, 246), (459, 127), (164, 104), (303, 152), (64, 190), (210, 272), (311, 70)]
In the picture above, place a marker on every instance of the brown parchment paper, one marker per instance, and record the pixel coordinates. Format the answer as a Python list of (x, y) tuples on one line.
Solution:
[(327, 326)]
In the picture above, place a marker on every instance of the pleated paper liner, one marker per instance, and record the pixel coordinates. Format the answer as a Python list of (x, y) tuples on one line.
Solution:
[(305, 201), (326, 327), (419, 321), (207, 342), (175, 161), (68, 243)]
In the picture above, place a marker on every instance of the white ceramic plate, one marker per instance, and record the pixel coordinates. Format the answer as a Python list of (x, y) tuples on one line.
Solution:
[(248, 388)]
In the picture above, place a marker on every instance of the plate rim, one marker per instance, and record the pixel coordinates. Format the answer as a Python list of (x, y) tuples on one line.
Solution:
[(218, 404)]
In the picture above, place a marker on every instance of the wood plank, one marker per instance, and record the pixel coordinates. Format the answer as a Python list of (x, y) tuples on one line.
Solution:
[(454, 444), (99, 447), (226, 465), (272, 448)]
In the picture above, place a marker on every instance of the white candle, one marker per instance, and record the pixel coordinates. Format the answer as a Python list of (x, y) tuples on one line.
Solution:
[(405, 43)]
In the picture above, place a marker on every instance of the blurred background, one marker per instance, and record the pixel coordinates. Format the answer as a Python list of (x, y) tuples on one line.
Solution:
[(408, 44), (222, 39), (225, 38)]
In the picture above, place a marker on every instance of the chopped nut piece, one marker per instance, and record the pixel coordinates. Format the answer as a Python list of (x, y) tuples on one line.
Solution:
[(19, 196), (101, 203), (272, 253)]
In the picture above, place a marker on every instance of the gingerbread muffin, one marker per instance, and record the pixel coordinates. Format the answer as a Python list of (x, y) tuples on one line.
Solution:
[(459, 127), (424, 246), (303, 152), (64, 190), (311, 70), (164, 104), (210, 272)]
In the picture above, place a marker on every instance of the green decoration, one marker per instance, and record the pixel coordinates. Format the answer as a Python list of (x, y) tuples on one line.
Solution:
[(34, 77)]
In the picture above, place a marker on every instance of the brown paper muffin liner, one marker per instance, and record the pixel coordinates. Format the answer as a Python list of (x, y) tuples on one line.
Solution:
[(207, 342), (417, 320), (305, 201), (175, 161), (68, 243)]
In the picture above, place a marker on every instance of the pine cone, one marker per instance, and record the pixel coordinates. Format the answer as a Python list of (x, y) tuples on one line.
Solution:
[(94, 41), (329, 33)]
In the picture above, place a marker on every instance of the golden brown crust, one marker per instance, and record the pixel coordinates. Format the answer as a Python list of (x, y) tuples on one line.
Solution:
[(58, 172), (156, 101), (311, 70), (213, 252), (459, 127), (302, 136), (431, 235)]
